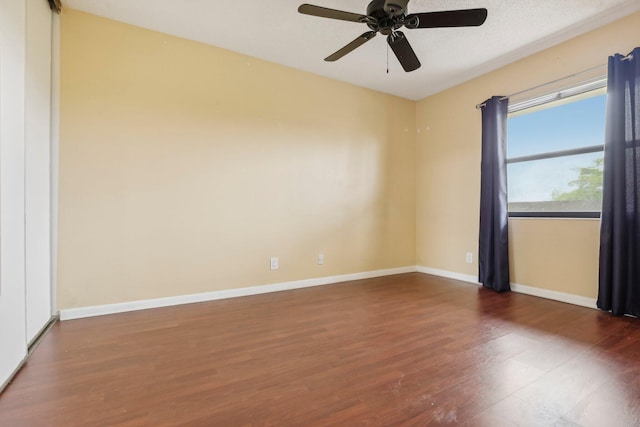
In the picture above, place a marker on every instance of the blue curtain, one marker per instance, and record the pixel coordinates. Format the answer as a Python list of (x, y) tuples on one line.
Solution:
[(493, 252), (619, 275)]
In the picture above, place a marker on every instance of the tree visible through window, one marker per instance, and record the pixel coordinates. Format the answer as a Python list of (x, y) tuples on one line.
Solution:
[(588, 185)]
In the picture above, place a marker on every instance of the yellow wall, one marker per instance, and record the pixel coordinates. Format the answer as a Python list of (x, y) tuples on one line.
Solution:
[(559, 255), (184, 167)]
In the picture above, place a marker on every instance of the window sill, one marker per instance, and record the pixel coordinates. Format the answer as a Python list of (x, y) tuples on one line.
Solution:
[(555, 215)]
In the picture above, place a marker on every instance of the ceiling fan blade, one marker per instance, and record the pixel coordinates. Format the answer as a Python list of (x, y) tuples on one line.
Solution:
[(449, 18), (403, 51), (351, 46), (323, 12)]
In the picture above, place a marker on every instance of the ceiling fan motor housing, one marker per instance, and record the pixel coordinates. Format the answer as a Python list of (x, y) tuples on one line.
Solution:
[(380, 9), (386, 16), (395, 7)]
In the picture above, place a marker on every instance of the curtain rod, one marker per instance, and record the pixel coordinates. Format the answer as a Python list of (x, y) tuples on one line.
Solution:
[(626, 58)]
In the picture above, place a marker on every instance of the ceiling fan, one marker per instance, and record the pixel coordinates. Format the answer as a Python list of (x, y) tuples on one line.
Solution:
[(387, 16)]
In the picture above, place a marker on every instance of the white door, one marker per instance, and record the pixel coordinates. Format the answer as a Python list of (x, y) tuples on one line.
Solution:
[(13, 343), (38, 165)]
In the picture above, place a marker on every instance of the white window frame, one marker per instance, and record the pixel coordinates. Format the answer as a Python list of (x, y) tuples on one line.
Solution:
[(533, 104)]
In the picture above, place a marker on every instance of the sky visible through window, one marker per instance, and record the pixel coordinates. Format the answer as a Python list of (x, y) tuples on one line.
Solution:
[(567, 126)]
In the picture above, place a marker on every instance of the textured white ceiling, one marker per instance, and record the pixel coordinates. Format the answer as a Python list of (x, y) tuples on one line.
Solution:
[(273, 30)]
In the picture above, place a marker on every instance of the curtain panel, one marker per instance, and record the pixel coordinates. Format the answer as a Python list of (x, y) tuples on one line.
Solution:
[(619, 274), (493, 251)]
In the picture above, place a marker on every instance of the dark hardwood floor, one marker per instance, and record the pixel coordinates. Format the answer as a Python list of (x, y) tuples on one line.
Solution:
[(406, 350)]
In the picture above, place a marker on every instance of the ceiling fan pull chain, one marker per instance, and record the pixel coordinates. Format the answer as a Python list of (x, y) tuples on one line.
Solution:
[(387, 57)]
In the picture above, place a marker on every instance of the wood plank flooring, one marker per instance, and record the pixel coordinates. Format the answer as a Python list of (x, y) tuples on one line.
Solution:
[(405, 350)]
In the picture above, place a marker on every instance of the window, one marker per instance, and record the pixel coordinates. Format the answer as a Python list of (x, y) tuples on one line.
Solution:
[(555, 154)]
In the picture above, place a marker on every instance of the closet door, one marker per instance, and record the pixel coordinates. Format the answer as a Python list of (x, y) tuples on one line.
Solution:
[(12, 176), (38, 166)]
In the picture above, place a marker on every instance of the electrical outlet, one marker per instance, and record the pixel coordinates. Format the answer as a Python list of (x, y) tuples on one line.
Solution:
[(320, 259), (274, 263), (469, 257)]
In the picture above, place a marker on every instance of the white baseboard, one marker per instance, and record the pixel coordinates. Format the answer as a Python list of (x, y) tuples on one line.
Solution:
[(448, 274), (555, 295), (99, 310), (515, 287)]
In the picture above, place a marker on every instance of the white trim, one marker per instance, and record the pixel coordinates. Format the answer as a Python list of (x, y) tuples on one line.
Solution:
[(552, 98), (99, 310), (516, 287), (55, 150), (554, 295), (448, 274)]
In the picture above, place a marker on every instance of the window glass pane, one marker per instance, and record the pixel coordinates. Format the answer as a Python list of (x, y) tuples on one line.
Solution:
[(566, 126), (561, 184)]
